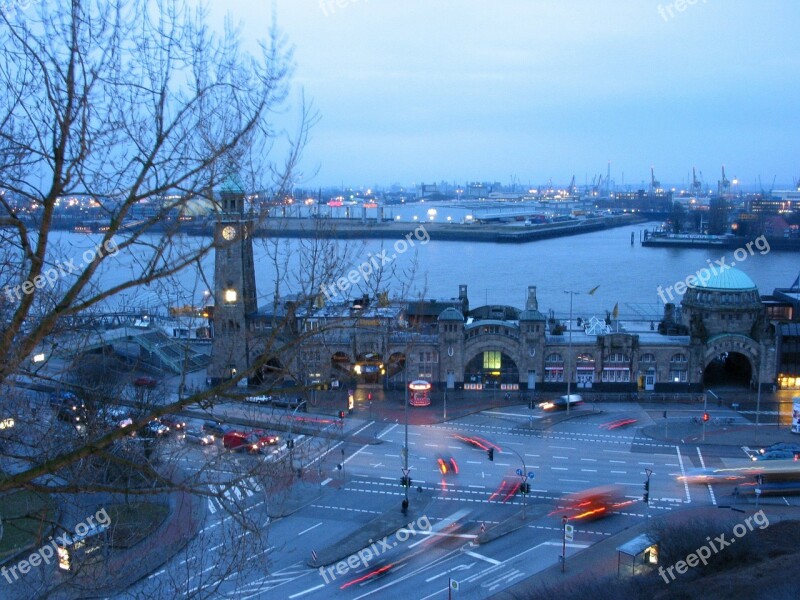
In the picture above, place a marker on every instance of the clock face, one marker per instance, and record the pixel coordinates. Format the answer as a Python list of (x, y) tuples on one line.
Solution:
[(229, 232)]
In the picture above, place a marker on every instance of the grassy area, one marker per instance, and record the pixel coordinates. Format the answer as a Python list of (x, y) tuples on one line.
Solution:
[(26, 519), (131, 523)]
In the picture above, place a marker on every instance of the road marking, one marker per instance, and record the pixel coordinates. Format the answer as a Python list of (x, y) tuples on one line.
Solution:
[(703, 465), (590, 459), (575, 480), (385, 431), (502, 464), (211, 506), (308, 591), (588, 470), (309, 529), (327, 481), (491, 561), (559, 468), (562, 448), (504, 414), (620, 472), (683, 473), (562, 457), (617, 462)]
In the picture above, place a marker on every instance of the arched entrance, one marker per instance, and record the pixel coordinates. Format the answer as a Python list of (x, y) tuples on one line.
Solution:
[(271, 373), (728, 369), (491, 369), (369, 368)]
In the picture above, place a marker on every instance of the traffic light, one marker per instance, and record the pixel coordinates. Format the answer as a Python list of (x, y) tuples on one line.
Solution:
[(525, 488), (490, 453), (290, 443), (341, 414), (646, 497), (705, 417), (405, 481)]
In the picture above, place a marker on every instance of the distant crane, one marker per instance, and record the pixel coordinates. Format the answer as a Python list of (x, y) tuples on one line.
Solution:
[(654, 183), (723, 186), (572, 190), (697, 187)]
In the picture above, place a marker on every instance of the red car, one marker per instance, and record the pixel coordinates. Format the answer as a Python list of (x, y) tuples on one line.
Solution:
[(255, 441), (147, 382)]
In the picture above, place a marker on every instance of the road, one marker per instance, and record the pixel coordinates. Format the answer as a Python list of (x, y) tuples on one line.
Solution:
[(572, 456)]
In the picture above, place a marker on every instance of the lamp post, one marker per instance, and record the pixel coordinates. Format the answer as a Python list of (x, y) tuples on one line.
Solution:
[(569, 349), (405, 446), (290, 441)]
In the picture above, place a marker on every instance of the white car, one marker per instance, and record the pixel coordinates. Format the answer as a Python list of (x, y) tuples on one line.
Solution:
[(258, 399)]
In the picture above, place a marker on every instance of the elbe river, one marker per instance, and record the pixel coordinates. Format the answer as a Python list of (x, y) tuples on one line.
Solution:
[(627, 275)]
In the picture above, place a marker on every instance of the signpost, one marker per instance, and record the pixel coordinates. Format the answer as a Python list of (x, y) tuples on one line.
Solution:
[(569, 532)]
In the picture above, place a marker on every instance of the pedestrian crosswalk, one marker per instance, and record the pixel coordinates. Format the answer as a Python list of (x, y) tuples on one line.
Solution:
[(234, 493)]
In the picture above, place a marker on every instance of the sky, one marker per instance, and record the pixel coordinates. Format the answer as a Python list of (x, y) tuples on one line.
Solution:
[(421, 91)]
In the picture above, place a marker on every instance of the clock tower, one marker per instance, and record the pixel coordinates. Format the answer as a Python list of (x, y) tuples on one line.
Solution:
[(234, 285)]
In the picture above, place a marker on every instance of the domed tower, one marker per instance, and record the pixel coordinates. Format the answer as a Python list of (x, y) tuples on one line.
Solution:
[(451, 346), (727, 303)]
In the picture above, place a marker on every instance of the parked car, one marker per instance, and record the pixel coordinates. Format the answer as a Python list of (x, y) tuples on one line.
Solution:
[(290, 403), (196, 436), (258, 399), (214, 428), (69, 407), (174, 423)]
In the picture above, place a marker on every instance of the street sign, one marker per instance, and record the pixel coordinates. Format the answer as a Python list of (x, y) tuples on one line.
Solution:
[(453, 585), (314, 555), (530, 474), (757, 491), (405, 471), (569, 531), (519, 472), (483, 527)]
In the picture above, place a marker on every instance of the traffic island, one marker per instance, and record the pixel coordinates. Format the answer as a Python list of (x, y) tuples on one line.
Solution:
[(516, 521), (379, 528)]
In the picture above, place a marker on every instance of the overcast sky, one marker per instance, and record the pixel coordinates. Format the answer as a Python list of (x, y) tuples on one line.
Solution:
[(417, 91)]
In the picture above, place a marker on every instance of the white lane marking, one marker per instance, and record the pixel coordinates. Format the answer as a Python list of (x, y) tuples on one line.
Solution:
[(211, 506), (309, 529), (590, 459), (385, 431), (308, 591), (327, 481), (683, 473), (491, 561), (620, 472), (562, 457), (703, 465)]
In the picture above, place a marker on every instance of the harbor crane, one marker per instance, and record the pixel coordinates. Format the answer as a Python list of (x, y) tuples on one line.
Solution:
[(654, 183)]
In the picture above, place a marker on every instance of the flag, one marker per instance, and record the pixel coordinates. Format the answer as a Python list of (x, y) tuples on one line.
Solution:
[(593, 290), (615, 312)]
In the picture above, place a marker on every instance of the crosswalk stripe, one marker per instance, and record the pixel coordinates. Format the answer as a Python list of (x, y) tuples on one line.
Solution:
[(211, 506)]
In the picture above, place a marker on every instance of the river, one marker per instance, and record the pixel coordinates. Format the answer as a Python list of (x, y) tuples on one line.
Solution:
[(627, 275)]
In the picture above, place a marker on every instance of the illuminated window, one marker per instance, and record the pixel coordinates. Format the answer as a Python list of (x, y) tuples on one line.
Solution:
[(491, 360), (230, 296)]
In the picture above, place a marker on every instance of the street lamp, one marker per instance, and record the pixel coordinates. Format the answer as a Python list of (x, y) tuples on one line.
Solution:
[(405, 446), (290, 441), (569, 349)]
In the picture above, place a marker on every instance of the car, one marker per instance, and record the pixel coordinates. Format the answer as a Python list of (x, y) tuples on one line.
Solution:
[(196, 436), (290, 403), (776, 455), (147, 382), (447, 465), (114, 416), (258, 399), (562, 402), (174, 423), (254, 441), (154, 429), (781, 446), (70, 408), (214, 428)]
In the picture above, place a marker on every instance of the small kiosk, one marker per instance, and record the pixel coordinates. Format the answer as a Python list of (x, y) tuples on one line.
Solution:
[(419, 393)]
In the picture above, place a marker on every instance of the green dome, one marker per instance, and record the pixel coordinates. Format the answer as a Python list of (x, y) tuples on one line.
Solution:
[(451, 314), (729, 280)]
